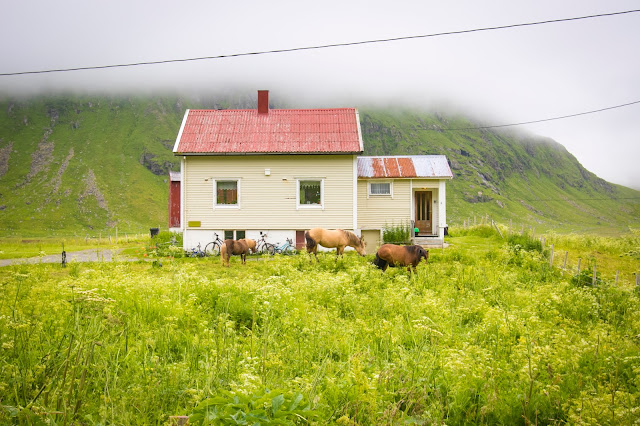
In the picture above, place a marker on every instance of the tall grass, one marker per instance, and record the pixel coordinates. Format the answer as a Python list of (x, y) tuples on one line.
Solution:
[(481, 334)]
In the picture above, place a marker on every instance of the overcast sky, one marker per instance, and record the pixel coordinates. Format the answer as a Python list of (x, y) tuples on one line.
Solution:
[(503, 76)]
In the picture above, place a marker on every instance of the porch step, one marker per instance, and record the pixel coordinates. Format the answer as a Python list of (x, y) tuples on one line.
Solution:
[(429, 241)]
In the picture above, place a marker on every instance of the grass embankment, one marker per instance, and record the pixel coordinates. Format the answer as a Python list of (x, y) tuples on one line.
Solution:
[(487, 332)]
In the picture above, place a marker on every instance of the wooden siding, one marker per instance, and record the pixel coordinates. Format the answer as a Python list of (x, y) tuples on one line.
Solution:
[(269, 202), (375, 211)]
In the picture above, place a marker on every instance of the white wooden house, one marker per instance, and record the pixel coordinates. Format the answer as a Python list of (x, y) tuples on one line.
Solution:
[(283, 171)]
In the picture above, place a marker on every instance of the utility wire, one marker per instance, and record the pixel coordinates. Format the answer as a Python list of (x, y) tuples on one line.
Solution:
[(559, 199), (528, 122), (325, 46)]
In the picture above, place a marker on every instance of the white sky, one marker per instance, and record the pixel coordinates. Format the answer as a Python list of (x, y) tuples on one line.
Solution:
[(502, 76)]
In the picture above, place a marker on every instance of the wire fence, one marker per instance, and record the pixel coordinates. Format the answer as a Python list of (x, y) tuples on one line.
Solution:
[(582, 273)]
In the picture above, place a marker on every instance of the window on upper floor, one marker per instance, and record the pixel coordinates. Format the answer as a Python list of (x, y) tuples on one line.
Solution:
[(310, 193), (226, 193)]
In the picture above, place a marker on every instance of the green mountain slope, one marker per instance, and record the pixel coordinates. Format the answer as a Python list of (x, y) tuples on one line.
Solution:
[(522, 179), (81, 164), (73, 164)]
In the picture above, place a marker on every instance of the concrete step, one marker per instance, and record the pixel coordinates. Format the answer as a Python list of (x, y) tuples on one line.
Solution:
[(428, 241)]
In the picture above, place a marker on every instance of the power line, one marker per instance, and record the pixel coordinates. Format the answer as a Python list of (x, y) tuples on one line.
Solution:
[(325, 46), (528, 122), (560, 199)]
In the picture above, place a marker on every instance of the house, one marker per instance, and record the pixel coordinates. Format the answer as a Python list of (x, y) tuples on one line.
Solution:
[(283, 171)]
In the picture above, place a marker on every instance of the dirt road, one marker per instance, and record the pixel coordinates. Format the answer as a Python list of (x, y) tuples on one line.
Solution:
[(76, 256)]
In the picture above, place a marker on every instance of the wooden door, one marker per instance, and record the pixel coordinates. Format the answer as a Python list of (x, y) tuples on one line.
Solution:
[(301, 243), (423, 212)]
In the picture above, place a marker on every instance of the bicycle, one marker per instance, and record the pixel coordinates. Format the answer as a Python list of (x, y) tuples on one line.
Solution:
[(196, 252), (214, 246), (263, 247), (286, 248)]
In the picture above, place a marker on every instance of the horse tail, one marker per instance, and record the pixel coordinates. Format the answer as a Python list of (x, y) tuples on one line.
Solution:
[(223, 252), (380, 262)]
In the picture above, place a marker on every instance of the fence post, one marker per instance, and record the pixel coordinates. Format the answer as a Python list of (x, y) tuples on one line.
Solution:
[(564, 265), (617, 275), (533, 233), (497, 229), (593, 279), (551, 257), (542, 241), (579, 260)]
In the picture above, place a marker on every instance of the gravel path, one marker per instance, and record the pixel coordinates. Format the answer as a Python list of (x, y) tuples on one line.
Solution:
[(76, 256)]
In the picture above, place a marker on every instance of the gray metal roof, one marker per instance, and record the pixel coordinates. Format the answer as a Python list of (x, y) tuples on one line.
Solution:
[(405, 166)]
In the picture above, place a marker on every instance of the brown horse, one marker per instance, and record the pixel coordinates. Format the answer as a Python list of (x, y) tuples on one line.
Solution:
[(230, 247), (251, 243), (338, 238), (393, 255)]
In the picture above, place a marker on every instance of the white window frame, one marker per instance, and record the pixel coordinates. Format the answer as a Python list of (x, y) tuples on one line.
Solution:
[(310, 206), (215, 194), (390, 194)]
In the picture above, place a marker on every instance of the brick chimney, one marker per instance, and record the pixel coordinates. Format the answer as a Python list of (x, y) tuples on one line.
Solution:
[(263, 102)]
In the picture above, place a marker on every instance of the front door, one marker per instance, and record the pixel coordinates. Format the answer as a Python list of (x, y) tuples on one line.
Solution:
[(423, 212)]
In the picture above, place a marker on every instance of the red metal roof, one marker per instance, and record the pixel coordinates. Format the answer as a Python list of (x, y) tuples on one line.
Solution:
[(280, 131), (410, 166)]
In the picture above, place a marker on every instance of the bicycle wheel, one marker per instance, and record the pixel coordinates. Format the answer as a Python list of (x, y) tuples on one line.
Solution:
[(290, 250), (268, 249), (213, 248)]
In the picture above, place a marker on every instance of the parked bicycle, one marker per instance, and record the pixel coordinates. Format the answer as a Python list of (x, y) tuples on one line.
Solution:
[(213, 247), (196, 252), (286, 248), (263, 247)]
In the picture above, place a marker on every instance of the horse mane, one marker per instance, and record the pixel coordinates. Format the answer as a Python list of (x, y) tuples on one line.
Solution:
[(352, 238)]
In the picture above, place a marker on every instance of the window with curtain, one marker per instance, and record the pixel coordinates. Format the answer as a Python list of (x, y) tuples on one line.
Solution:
[(227, 192), (380, 188), (310, 192)]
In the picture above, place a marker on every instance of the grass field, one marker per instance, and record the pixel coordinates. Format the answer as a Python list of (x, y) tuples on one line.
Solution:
[(487, 332)]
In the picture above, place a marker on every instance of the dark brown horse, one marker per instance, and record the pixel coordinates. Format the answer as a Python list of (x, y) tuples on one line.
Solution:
[(229, 247), (393, 255), (338, 238)]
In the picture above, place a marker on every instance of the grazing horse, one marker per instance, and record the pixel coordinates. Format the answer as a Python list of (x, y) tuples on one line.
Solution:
[(230, 247), (338, 238), (393, 255), (251, 243)]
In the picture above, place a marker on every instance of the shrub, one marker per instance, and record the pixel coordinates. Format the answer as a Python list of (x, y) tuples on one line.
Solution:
[(397, 234), (525, 242)]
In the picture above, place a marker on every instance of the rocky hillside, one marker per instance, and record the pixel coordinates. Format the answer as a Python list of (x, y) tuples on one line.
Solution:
[(71, 164)]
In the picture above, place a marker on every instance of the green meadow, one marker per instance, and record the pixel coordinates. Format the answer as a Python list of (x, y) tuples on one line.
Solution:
[(488, 332)]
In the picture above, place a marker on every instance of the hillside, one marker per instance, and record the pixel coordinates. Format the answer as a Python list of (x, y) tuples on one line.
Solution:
[(525, 179), (75, 165)]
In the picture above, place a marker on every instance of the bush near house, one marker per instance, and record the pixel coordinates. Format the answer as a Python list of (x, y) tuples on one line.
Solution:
[(397, 233)]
